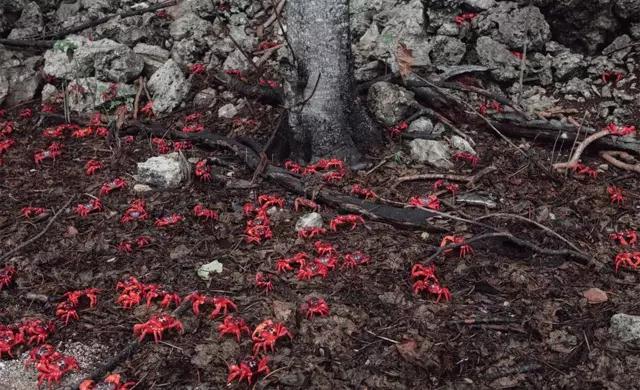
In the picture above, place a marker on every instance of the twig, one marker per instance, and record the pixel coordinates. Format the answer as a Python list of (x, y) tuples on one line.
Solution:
[(431, 176), (382, 337), (514, 371), (478, 321), (244, 53), (276, 10), (136, 102), (610, 156), (37, 236), (264, 159), (518, 241), (523, 63)]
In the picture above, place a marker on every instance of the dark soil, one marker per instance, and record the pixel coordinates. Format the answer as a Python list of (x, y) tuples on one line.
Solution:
[(533, 328)]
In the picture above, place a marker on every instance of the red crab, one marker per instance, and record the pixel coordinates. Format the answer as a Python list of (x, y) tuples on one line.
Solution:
[(26, 113), (111, 382), (198, 69), (161, 144), (125, 247), (39, 353), (7, 128), (89, 293), (308, 271), (311, 232), (117, 183), (464, 249), (82, 133), (29, 211), (267, 44), (425, 272), (608, 76), (195, 128), (493, 105), (203, 170), (54, 367), (366, 193), (247, 368), (54, 132), (66, 310), (352, 260), (197, 300), (221, 304), (168, 221), (453, 188), (293, 167), (36, 331), (627, 259), (398, 129), (167, 298), (92, 166), (269, 83), (6, 276), (102, 132), (267, 201), (283, 265), (352, 219), (468, 157), (129, 298), (157, 324), (615, 193), (304, 202), (315, 306), (147, 110), (85, 209), (256, 232), (433, 288), (9, 339), (47, 107), (582, 169), (329, 261), (135, 212), (233, 325), (324, 248), (128, 139), (517, 54), (51, 152), (627, 237), (263, 282), (464, 18), (6, 144), (430, 201), (620, 131), (194, 117), (333, 177), (143, 241), (182, 145), (203, 212), (267, 334)]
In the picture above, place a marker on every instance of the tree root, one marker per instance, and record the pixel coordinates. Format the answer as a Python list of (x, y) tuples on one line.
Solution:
[(611, 156), (573, 162), (431, 176)]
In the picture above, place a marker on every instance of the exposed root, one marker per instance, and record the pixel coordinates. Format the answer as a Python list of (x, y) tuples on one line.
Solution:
[(573, 162), (613, 157)]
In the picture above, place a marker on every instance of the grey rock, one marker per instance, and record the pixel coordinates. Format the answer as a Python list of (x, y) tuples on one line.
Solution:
[(497, 57), (120, 65), (459, 143), (403, 23), (577, 86), (480, 5), (625, 327), (619, 48), (30, 24), (98, 5), (141, 188), (514, 26), (634, 30), (190, 25), (166, 171), (236, 60), (188, 51), (152, 56), (202, 8), (435, 153), (421, 125), (89, 94), (447, 50), (4, 87), (128, 31), (169, 87), (567, 64), (21, 77), (362, 12), (49, 93), (628, 9), (535, 99), (310, 220), (227, 111), (67, 10), (369, 71), (390, 103), (205, 98)]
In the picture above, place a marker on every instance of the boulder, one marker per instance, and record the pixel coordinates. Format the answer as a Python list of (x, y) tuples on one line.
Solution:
[(89, 94), (435, 153), (30, 24), (166, 171), (169, 87), (497, 57), (152, 56)]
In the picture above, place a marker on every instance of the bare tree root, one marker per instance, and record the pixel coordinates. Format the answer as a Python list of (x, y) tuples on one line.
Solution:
[(431, 176), (611, 156), (579, 256), (573, 162)]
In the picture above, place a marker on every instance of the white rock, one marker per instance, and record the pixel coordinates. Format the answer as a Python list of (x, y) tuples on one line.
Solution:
[(311, 220), (169, 87), (166, 171), (625, 327), (421, 125), (205, 270), (141, 188), (459, 143), (432, 152), (205, 98), (49, 93), (227, 111)]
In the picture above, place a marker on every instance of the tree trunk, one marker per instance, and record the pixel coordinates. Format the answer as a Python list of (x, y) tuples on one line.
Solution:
[(325, 117)]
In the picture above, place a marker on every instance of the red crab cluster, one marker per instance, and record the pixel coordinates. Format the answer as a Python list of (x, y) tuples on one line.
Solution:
[(615, 194), (429, 201), (266, 335), (85, 209), (10, 337), (451, 187), (25, 113), (203, 170), (300, 202), (609, 76), (161, 144), (464, 249), (247, 368), (326, 260), (7, 273), (259, 227), (182, 145), (51, 152), (627, 259), (315, 306), (582, 169), (92, 166), (263, 282), (428, 281), (29, 211), (115, 184), (110, 382), (207, 214), (363, 192), (620, 131), (355, 259), (31, 332), (127, 246), (169, 220), (333, 170), (156, 325), (464, 18), (398, 129), (467, 157), (59, 130), (347, 219), (132, 292), (220, 305), (68, 308), (493, 105), (6, 144), (51, 365), (135, 212), (625, 238), (233, 325)]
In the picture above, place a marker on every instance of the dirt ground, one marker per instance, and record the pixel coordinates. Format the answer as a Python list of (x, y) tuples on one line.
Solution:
[(517, 319)]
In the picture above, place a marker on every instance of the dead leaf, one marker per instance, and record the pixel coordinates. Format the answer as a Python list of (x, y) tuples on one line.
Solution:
[(407, 349), (404, 56), (71, 232), (595, 295)]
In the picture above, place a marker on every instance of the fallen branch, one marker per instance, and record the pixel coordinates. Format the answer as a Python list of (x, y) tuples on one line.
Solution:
[(573, 162), (584, 259), (434, 176), (611, 156), (37, 236)]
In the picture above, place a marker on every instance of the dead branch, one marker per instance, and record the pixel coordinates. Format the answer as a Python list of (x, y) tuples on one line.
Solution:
[(612, 157), (37, 236), (461, 178), (573, 162)]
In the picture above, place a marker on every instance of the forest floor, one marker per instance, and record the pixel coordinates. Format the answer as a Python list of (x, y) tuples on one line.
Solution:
[(516, 319)]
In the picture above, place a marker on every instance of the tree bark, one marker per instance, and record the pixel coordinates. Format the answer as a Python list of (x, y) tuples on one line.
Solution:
[(325, 117)]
